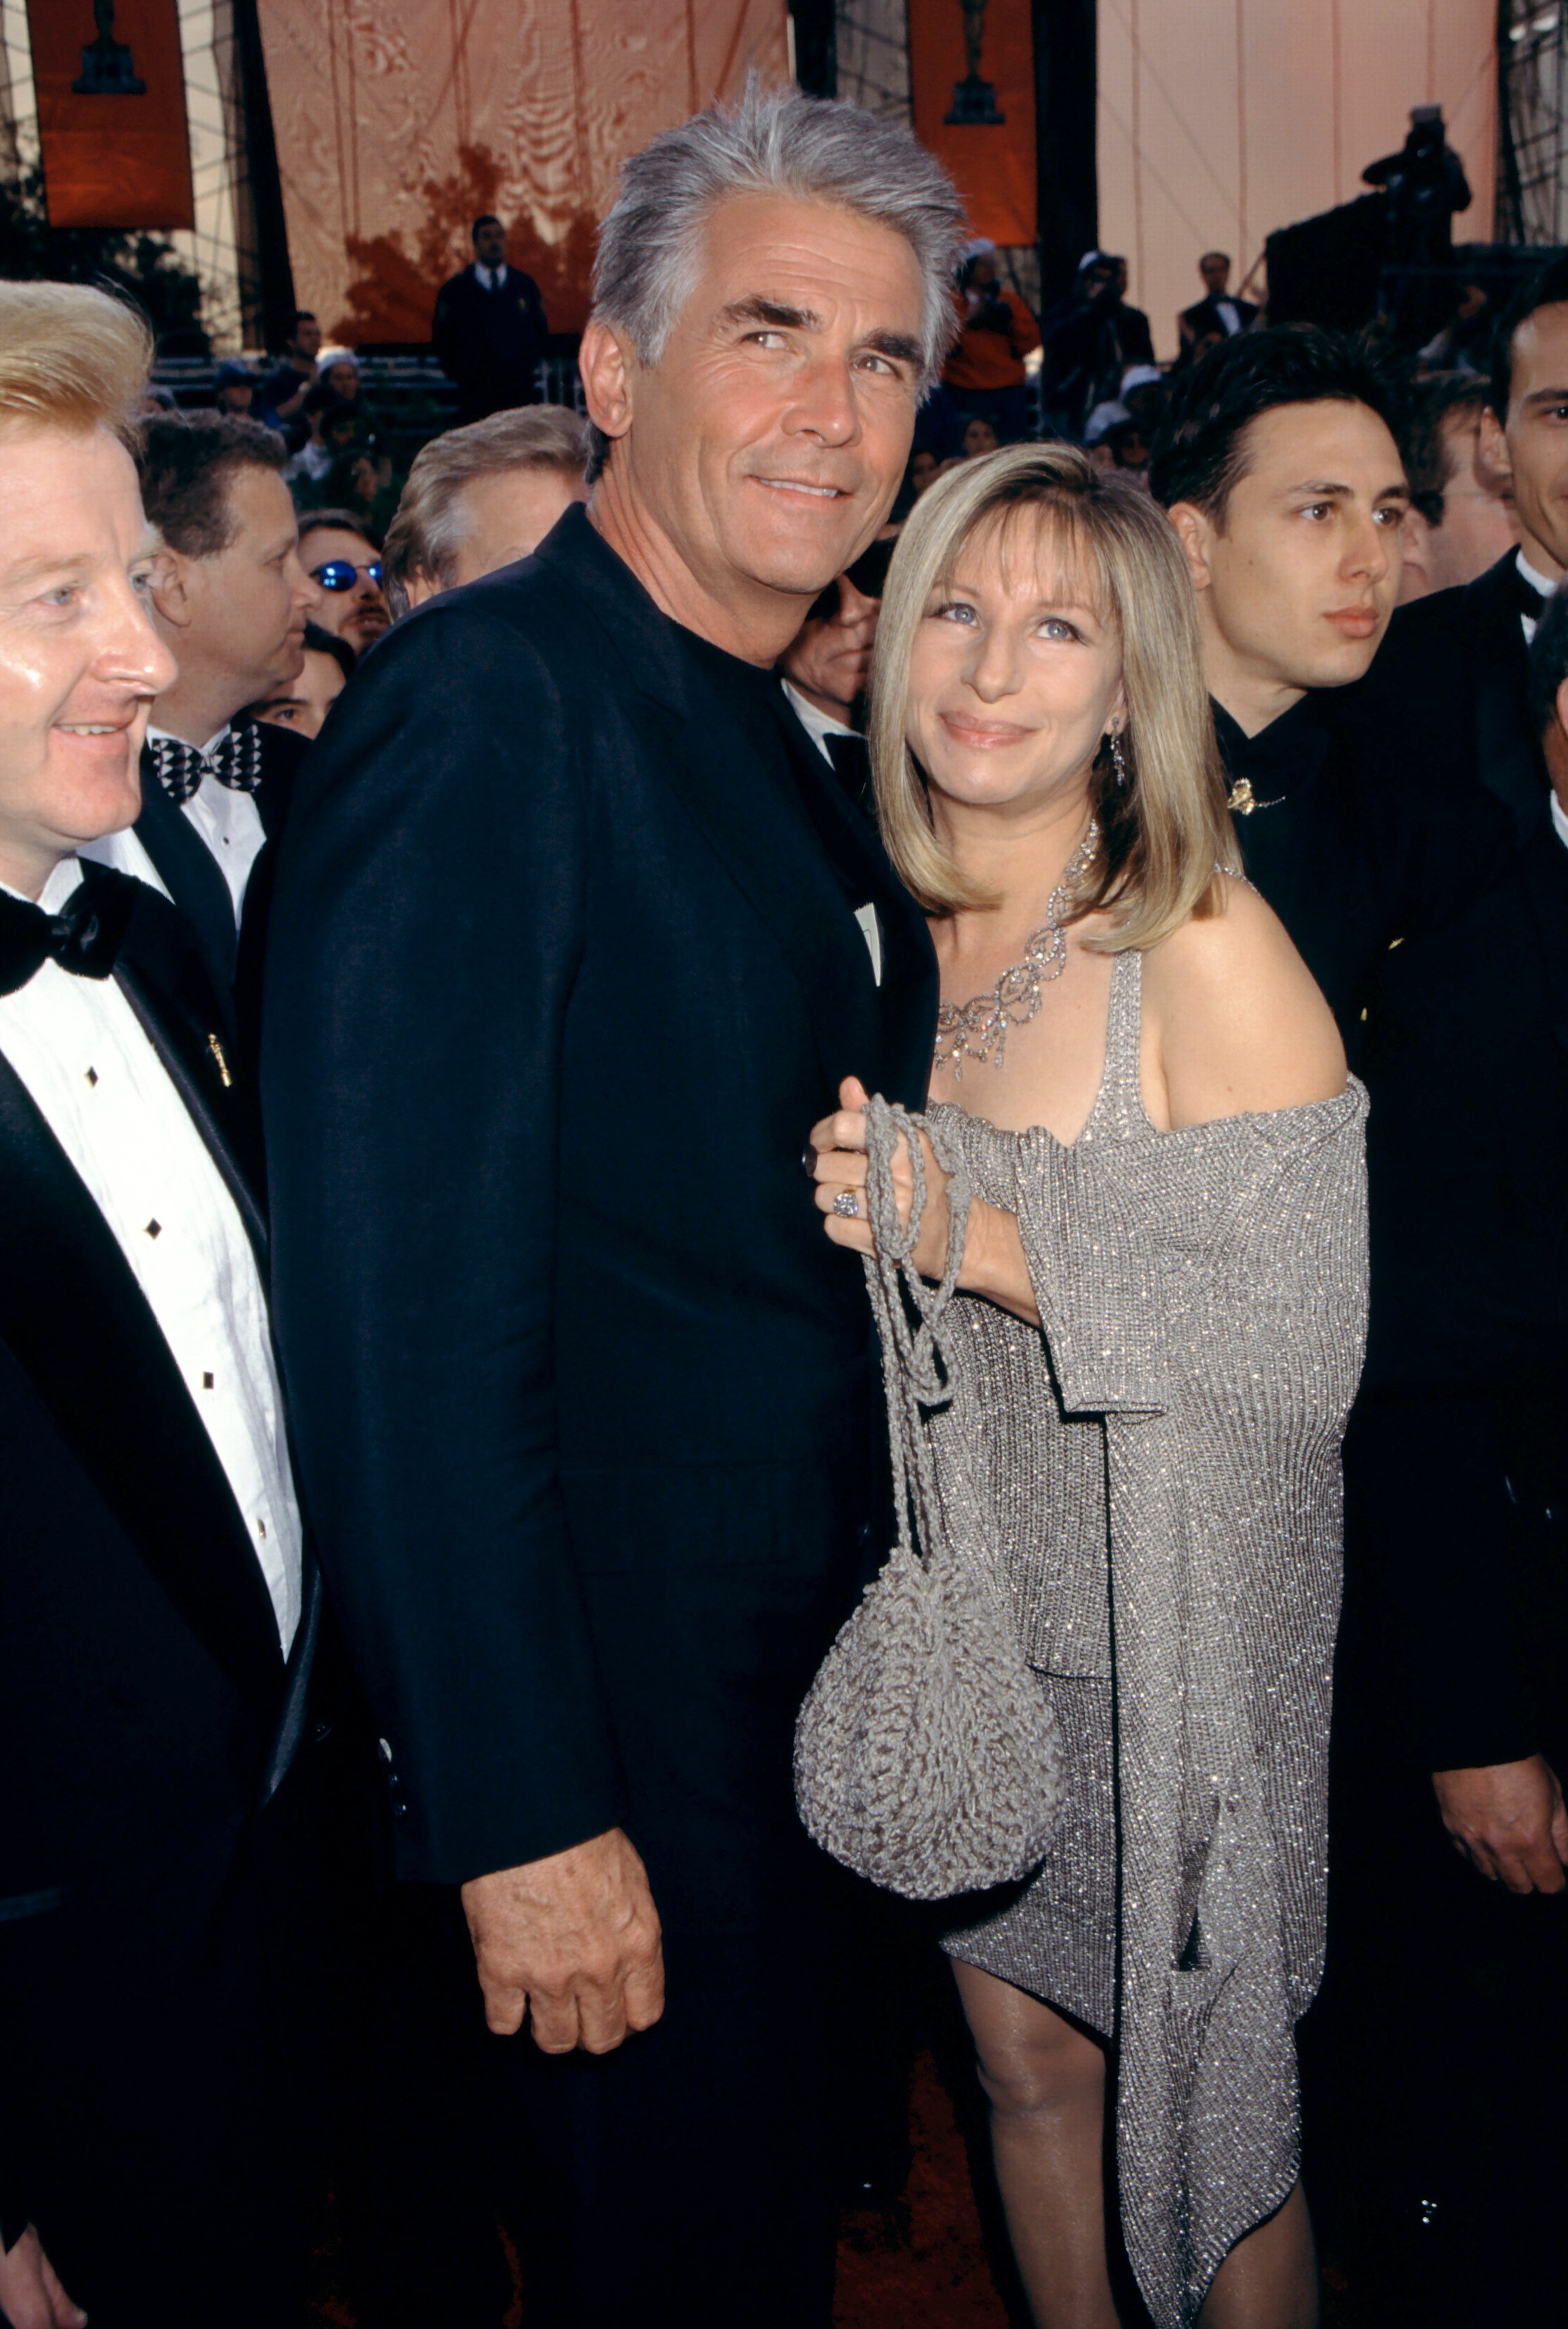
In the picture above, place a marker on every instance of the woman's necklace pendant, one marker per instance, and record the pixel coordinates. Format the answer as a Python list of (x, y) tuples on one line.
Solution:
[(977, 1030)]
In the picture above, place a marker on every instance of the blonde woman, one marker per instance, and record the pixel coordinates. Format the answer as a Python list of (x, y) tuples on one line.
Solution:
[(1155, 1340)]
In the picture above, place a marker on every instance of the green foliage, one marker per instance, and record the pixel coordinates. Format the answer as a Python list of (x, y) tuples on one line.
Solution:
[(144, 265)]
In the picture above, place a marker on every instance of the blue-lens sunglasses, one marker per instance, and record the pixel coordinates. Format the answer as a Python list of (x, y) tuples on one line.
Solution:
[(342, 573)]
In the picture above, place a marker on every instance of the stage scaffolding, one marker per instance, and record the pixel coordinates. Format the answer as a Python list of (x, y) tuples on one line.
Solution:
[(1533, 140)]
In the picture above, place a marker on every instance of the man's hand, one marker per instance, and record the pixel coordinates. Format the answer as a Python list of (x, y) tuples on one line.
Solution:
[(31, 2298), (574, 1941), (1509, 1821)]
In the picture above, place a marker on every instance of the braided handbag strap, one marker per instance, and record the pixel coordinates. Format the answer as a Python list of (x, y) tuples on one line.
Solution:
[(909, 1312)]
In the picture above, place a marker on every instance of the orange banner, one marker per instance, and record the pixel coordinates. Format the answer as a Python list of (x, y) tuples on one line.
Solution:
[(110, 82), (972, 74), (398, 122)]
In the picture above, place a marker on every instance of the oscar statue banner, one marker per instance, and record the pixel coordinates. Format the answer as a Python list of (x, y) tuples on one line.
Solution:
[(111, 112), (972, 72), (399, 122)]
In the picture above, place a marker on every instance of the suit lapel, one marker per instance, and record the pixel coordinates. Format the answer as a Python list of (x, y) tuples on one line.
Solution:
[(1544, 863), (191, 874), (1507, 761), (80, 1329), (789, 848)]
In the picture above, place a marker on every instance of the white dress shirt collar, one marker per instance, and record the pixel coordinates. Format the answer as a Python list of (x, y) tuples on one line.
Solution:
[(492, 277), (818, 725)]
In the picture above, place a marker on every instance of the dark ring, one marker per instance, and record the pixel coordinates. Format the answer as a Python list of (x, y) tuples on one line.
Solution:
[(808, 1162)]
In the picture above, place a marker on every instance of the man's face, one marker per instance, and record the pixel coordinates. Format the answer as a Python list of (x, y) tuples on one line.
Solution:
[(1537, 438), (1479, 523), (235, 396), (303, 705), (1215, 270), (242, 612), (1297, 587), (507, 517), (80, 660), (830, 661), (490, 243), (306, 340), (353, 610), (766, 445)]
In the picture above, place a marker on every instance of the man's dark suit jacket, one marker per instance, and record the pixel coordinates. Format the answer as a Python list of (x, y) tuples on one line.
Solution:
[(490, 342), (1196, 322), (1356, 849), (564, 966), (1445, 699), (194, 880), (1465, 1061), (145, 1712)]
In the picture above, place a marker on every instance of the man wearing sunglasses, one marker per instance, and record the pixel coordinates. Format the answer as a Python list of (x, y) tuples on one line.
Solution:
[(345, 569), (826, 668)]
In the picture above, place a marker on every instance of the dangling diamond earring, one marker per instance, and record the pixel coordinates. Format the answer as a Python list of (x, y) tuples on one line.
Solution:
[(1118, 757)]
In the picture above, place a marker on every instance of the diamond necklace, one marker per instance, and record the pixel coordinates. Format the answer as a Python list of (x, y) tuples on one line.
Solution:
[(977, 1030)]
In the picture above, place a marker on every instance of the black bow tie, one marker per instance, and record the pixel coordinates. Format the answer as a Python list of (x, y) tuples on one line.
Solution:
[(1527, 600), (235, 759), (83, 937)]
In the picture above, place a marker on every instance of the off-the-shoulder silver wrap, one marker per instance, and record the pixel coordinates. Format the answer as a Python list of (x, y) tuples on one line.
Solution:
[(1160, 1469)]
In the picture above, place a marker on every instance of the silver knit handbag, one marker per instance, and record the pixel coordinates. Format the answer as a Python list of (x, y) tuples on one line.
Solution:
[(927, 1757)]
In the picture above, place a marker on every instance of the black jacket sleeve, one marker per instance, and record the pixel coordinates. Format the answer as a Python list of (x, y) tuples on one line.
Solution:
[(427, 926)]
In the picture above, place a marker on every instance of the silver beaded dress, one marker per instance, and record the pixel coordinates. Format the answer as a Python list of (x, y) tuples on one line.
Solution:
[(1157, 1477)]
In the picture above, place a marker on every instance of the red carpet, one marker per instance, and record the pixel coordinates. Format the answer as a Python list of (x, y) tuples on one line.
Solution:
[(923, 2266)]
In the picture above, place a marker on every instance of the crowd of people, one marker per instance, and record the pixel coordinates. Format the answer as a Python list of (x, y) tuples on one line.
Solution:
[(484, 1002)]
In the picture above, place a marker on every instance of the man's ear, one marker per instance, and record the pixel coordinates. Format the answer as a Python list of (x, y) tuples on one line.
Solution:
[(171, 589), (1415, 540), (1195, 532), (607, 362), (1494, 451)]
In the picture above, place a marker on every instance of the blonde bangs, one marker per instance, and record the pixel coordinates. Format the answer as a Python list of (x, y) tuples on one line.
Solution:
[(1101, 542)]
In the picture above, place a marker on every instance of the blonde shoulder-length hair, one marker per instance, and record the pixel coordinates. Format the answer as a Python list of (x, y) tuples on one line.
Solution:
[(1167, 831)]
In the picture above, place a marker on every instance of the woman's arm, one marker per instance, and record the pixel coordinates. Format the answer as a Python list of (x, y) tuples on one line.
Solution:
[(993, 1263)]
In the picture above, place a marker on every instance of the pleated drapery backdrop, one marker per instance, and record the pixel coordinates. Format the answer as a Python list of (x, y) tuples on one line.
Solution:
[(1220, 120), (399, 121)]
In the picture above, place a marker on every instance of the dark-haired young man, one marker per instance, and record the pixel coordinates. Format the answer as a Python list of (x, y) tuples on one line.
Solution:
[(230, 598), (1279, 463), (1462, 518), (489, 330), (1448, 688)]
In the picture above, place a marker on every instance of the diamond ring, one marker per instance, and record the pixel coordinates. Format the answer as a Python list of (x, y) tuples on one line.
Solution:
[(846, 1205)]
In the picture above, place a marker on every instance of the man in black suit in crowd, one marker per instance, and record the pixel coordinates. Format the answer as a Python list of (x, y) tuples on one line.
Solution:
[(229, 595), (587, 1416), (1216, 313), (1448, 688), (1453, 1681), (1278, 461), (488, 330), (164, 1770)]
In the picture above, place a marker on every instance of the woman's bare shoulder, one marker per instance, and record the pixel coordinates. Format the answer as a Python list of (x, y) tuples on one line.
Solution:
[(1238, 1023)]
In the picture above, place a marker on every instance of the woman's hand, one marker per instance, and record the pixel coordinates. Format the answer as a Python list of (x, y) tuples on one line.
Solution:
[(993, 1261), (839, 1144)]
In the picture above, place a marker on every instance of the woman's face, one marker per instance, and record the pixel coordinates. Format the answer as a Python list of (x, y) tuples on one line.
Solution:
[(979, 437), (1016, 675), (922, 468), (343, 379)]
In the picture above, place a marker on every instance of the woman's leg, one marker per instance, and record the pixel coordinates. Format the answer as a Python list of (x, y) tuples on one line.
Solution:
[(1269, 2279), (1045, 2083)]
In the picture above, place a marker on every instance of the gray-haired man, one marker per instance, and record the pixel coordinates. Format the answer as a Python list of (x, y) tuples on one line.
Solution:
[(588, 1417)]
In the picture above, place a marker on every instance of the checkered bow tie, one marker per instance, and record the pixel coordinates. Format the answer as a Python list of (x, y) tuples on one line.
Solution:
[(235, 759)]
